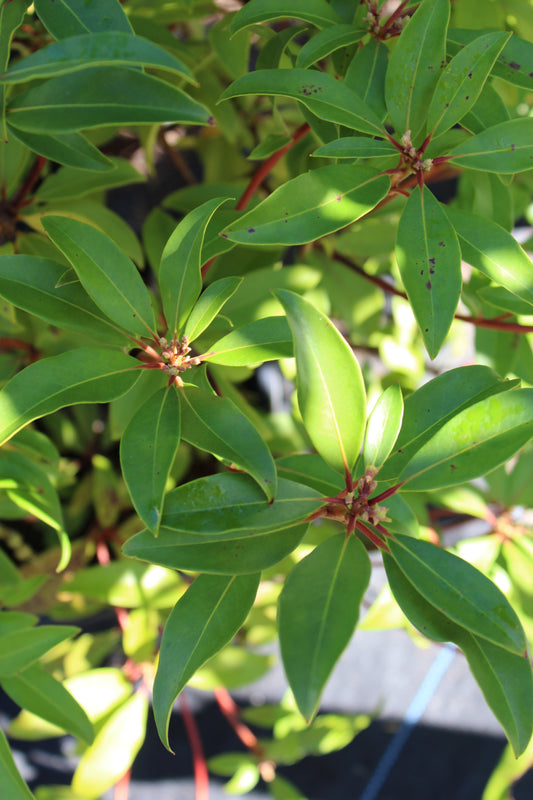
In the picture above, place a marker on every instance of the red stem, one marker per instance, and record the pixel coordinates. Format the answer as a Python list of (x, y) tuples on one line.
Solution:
[(122, 787), (387, 493), (29, 182), (394, 16), (231, 711), (201, 776), (374, 538)]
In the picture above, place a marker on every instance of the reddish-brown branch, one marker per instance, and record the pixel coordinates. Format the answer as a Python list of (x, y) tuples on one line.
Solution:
[(201, 776), (374, 538), (393, 17), (19, 198), (231, 711)]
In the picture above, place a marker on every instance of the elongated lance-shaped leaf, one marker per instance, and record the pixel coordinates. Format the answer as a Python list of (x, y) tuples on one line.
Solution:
[(11, 783), (21, 648), (310, 206), (318, 12), (504, 678), (147, 451), (330, 389), (70, 149), (491, 249), (513, 64), (318, 612), (11, 15), (215, 424), (180, 279), (473, 442), (383, 426), (111, 48), (65, 18), (204, 620), (326, 42), (208, 306), (265, 339), (504, 148), (311, 470), (320, 93), (106, 273), (429, 259), (415, 66), (366, 75), (356, 147), (463, 79), (86, 375), (88, 99)]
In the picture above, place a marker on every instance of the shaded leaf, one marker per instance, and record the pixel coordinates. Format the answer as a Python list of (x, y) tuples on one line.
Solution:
[(311, 470), (72, 183), (356, 147), (265, 339), (71, 149), (514, 62), (366, 75), (209, 304), (11, 15), (318, 12), (72, 17), (11, 783), (326, 42), (20, 648), (506, 147)]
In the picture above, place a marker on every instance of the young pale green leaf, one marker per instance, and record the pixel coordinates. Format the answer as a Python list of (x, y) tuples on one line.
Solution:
[(463, 79), (211, 301), (107, 48), (265, 339), (180, 279), (329, 99), (326, 42), (39, 692), (514, 62), (238, 553), (106, 273), (331, 392), (318, 612), (65, 18), (70, 149), (114, 749), (415, 66), (20, 648), (78, 376), (473, 442), (88, 99), (318, 12), (204, 620), (11, 783), (504, 148), (366, 75), (310, 206), (311, 470), (383, 427), (459, 591), (429, 259), (491, 249), (147, 451), (11, 15), (356, 147)]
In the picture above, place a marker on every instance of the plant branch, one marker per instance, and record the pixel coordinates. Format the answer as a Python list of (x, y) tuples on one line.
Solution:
[(230, 710), (19, 198), (201, 776)]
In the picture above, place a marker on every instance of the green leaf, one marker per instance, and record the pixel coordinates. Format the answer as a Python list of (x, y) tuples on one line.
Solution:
[(311, 470), (209, 304), (383, 427), (78, 376), (88, 99), (463, 79), (11, 15), (204, 620), (473, 442), (71, 183), (356, 147), (318, 612), (180, 279), (33, 284), (324, 96), (71, 149), (488, 110), (459, 591), (147, 451), (11, 621), (215, 424), (415, 65), (106, 273), (508, 770), (366, 75), (318, 12), (491, 249), (127, 584), (514, 62), (11, 783), (330, 388), (72, 17), (39, 692), (20, 648), (506, 147), (265, 339), (106, 48), (429, 259), (326, 42)]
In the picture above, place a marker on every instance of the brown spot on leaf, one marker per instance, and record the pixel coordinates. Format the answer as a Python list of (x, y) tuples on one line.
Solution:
[(514, 65), (251, 230), (428, 285)]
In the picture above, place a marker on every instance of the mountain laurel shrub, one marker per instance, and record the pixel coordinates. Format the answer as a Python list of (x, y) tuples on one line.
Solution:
[(352, 174)]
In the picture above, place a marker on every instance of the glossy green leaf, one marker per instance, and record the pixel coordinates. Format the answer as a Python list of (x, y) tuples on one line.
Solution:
[(106, 273), (114, 749), (318, 612), (326, 42), (463, 79), (356, 147), (491, 249), (383, 427), (147, 451), (504, 148), (266, 339), (33, 284), (514, 62), (318, 12), (72, 183), (429, 259), (311, 470), (459, 591), (210, 303), (39, 692), (20, 648), (270, 55), (473, 442), (88, 99), (215, 424), (204, 620), (106, 48), (72, 17), (11, 15), (329, 99), (70, 149), (366, 75), (77, 376), (330, 388), (415, 66), (180, 279), (11, 621), (11, 783), (500, 298), (488, 110)]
